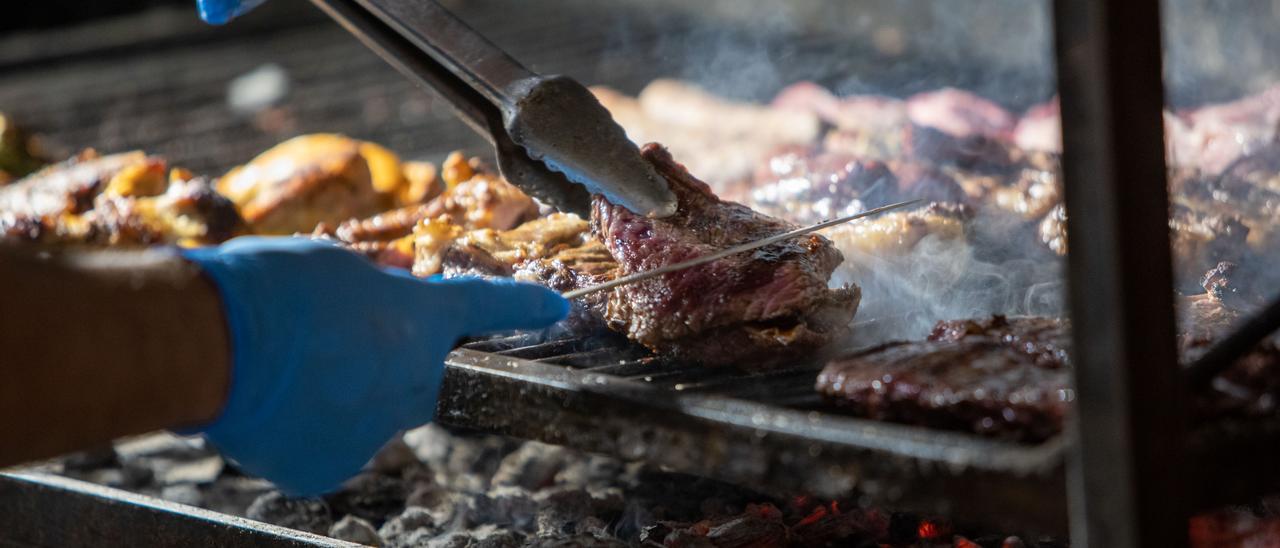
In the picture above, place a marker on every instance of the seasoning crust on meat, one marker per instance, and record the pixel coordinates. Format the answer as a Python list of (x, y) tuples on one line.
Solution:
[(753, 309)]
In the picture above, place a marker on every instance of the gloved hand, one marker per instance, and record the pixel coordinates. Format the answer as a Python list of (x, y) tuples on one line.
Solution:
[(333, 355), (218, 12)]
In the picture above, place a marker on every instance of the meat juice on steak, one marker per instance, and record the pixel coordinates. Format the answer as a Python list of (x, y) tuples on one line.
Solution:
[(752, 309)]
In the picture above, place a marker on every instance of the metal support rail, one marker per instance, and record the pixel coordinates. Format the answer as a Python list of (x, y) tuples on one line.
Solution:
[(1126, 473), (42, 510)]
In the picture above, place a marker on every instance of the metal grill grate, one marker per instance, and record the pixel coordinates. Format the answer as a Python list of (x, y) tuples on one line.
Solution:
[(769, 430)]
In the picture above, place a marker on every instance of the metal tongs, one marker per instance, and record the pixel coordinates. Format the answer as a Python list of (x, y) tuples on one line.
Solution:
[(551, 136)]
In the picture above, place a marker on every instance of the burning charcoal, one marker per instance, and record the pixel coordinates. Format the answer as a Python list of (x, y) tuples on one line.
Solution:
[(491, 536), (234, 494), (461, 462), (426, 495), (199, 470), (93, 459), (183, 494), (828, 524), (576, 541), (533, 466), (163, 445), (507, 506), (560, 511), (371, 496), (591, 470), (688, 539), (410, 523), (449, 540), (1012, 542), (354, 529), (394, 459), (961, 542), (134, 474), (749, 530), (306, 514)]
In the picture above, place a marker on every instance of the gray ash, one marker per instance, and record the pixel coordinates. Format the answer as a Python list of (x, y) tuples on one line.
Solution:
[(439, 488)]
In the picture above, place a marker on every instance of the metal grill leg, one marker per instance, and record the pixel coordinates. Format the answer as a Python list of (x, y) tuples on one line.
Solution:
[(1125, 470)]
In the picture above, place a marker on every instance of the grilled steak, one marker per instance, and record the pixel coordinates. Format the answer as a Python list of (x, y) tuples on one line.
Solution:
[(750, 310), (1011, 377), (998, 376)]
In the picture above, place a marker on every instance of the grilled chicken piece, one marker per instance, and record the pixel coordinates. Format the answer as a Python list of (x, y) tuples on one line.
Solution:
[(751, 310), (303, 182), (475, 199), (1001, 377), (116, 200), (897, 232), (441, 245)]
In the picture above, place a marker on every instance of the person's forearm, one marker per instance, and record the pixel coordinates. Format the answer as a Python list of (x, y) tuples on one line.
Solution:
[(97, 345)]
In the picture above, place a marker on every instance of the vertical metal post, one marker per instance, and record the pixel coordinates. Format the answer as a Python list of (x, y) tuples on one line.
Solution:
[(1129, 430)]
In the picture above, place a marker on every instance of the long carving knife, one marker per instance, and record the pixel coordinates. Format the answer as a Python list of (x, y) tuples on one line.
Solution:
[(740, 248)]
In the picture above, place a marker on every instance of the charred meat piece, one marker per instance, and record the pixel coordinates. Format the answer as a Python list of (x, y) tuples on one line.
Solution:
[(117, 200), (476, 199), (572, 268), (751, 310), (1002, 377), (805, 185), (1010, 377), (976, 152), (1040, 128), (723, 139), (960, 114), (1199, 241), (1209, 138), (1250, 387), (1248, 188)]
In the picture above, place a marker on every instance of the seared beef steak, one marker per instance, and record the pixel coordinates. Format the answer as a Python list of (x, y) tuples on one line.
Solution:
[(996, 376), (1011, 377), (751, 310)]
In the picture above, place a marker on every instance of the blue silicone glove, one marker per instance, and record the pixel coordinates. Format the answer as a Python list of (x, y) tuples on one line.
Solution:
[(218, 12), (332, 355)]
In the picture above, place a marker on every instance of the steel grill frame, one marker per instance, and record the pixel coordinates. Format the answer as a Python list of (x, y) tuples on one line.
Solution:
[(721, 424)]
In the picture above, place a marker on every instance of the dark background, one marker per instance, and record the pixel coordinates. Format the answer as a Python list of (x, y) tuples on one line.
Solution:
[(148, 74)]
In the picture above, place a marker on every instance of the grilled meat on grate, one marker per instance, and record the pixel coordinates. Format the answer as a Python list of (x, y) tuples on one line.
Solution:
[(750, 310), (1011, 377), (118, 200), (995, 376)]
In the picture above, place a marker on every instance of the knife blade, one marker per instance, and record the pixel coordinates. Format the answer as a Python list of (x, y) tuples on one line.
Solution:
[(712, 257)]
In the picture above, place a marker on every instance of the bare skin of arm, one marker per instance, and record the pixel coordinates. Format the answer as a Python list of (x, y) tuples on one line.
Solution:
[(95, 345)]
